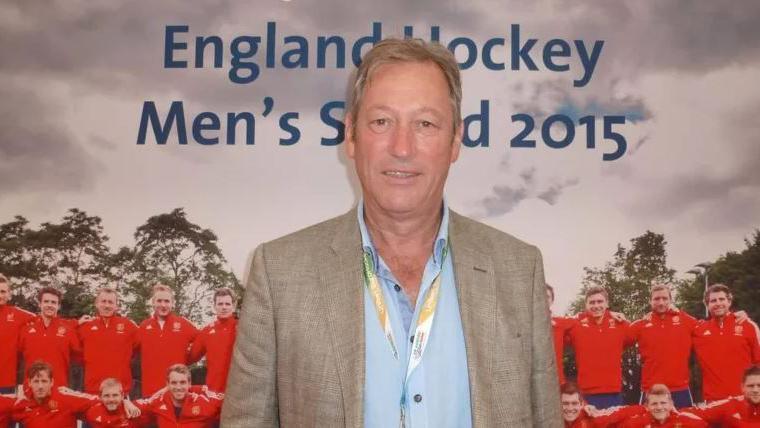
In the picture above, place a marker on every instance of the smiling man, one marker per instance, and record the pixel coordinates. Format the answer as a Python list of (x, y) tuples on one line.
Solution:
[(108, 341), (739, 412), (599, 340), (400, 312), (164, 340), (49, 338), (724, 347), (216, 340), (661, 413), (178, 407)]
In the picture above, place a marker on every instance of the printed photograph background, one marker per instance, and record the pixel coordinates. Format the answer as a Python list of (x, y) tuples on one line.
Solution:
[(75, 76)]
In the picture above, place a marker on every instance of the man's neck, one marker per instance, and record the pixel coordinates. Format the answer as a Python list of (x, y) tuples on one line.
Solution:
[(46, 320), (402, 233)]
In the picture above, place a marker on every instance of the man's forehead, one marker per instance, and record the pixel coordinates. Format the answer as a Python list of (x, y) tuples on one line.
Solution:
[(570, 397), (597, 296), (49, 296), (718, 295)]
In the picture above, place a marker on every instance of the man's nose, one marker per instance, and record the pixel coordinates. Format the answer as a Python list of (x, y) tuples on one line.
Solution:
[(402, 143)]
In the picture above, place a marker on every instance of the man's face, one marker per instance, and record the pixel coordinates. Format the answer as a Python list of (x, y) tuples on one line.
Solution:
[(224, 307), (163, 303), (596, 304), (106, 303), (751, 389), (5, 293), (571, 406), (659, 406), (111, 396), (49, 305), (660, 301), (178, 385), (718, 304), (41, 385), (402, 140)]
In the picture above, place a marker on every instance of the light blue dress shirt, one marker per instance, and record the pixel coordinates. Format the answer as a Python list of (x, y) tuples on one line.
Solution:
[(437, 394)]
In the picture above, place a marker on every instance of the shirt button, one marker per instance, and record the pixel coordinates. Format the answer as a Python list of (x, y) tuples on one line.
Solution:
[(397, 287), (417, 398), (411, 339)]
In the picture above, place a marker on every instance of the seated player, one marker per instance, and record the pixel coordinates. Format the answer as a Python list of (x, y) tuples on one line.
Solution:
[(113, 410), (178, 406), (577, 414), (661, 412), (737, 412)]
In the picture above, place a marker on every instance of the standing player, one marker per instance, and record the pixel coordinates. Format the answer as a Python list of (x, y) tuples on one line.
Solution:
[(560, 327), (49, 338), (216, 340), (12, 320), (599, 341), (108, 341), (164, 340), (724, 348), (664, 339)]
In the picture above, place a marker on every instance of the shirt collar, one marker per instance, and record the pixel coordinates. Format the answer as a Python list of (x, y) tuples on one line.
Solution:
[(440, 240)]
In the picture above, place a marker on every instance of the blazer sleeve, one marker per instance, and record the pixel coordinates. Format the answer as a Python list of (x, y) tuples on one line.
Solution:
[(544, 387), (251, 400)]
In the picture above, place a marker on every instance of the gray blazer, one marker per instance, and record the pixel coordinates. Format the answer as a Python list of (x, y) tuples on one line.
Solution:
[(299, 355)]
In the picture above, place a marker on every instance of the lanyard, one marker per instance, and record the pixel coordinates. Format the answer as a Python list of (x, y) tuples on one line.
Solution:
[(424, 320)]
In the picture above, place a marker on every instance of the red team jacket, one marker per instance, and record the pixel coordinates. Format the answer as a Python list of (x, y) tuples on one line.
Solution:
[(598, 353), (57, 411), (198, 410), (12, 320), (107, 346), (99, 417), (560, 327), (675, 420), (664, 346), (162, 347), (6, 407), (608, 417), (724, 352), (216, 341), (53, 344), (734, 412)]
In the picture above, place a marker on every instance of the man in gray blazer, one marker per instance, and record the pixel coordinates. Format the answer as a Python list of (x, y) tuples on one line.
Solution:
[(322, 338)]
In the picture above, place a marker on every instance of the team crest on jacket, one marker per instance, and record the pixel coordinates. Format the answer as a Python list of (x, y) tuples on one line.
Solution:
[(176, 325), (53, 405), (9, 317), (196, 410), (120, 327), (61, 331), (738, 329), (612, 323), (676, 319)]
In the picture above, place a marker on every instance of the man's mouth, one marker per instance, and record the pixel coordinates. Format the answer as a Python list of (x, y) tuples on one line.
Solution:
[(400, 174)]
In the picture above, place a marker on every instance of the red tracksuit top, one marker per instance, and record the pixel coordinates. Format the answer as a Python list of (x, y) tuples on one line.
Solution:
[(560, 327), (608, 417), (598, 353), (162, 347), (99, 417), (107, 346), (675, 420), (12, 319), (54, 344), (59, 410), (734, 412), (6, 407), (198, 410), (724, 352), (216, 341), (664, 346)]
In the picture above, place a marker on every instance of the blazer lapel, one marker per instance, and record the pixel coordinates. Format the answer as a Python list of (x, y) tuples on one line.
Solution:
[(476, 287), (341, 277)]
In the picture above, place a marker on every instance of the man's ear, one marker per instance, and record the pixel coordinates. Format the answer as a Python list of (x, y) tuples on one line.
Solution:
[(349, 136)]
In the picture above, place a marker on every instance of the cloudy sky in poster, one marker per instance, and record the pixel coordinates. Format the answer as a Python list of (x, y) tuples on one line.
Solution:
[(76, 75)]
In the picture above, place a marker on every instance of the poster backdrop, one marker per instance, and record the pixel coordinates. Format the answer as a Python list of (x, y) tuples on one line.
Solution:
[(589, 123)]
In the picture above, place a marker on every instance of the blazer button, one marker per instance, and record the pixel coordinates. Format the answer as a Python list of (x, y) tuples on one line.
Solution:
[(397, 287), (417, 398), (411, 339)]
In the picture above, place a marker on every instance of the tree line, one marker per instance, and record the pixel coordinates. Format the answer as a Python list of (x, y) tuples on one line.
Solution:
[(73, 255)]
